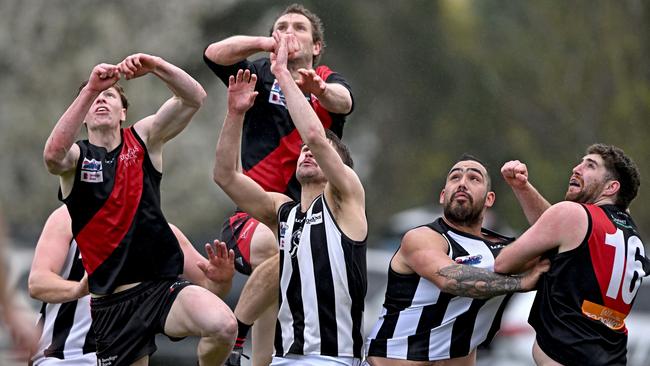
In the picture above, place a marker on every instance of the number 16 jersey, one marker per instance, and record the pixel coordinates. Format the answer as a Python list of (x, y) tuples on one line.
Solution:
[(582, 302)]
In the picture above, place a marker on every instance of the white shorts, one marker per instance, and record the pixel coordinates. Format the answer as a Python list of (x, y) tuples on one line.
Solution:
[(314, 360)]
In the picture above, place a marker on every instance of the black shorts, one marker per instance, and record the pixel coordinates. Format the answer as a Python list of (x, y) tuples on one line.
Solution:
[(126, 323), (237, 232)]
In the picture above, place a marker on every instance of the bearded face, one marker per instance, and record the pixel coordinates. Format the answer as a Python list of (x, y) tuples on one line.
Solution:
[(466, 194), (463, 209), (588, 180)]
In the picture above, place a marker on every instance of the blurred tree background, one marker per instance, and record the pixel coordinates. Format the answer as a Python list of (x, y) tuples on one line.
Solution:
[(535, 81)]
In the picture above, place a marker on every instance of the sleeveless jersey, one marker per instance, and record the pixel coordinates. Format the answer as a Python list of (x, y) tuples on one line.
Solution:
[(67, 334), (582, 301), (270, 142), (116, 217), (322, 284), (419, 322)]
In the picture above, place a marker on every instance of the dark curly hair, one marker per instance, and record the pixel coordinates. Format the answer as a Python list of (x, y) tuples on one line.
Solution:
[(621, 168)]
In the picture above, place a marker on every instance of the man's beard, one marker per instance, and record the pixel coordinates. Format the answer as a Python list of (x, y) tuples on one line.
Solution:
[(587, 194), (464, 215)]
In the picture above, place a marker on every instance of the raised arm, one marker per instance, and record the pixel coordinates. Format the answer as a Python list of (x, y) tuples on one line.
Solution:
[(332, 96), (237, 48), (244, 191), (515, 173), (343, 186), (424, 252), (45, 282), (61, 154), (563, 227), (174, 115)]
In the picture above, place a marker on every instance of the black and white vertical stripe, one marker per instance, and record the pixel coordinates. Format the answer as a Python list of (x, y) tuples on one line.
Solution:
[(421, 323), (66, 327), (322, 285)]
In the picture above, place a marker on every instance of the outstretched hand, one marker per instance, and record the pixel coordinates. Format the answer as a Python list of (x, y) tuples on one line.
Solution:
[(286, 45), (220, 267), (310, 82), (241, 91), (515, 173), (137, 65), (103, 77)]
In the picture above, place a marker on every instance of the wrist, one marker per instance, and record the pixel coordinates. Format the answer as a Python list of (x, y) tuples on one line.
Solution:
[(266, 44), (323, 92)]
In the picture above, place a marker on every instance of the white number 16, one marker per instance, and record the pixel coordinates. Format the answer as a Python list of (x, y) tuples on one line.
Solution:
[(625, 266)]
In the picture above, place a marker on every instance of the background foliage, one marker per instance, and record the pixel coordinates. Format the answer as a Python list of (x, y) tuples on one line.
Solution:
[(535, 81)]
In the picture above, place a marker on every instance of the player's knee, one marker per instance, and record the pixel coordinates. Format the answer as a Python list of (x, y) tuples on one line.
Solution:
[(223, 329)]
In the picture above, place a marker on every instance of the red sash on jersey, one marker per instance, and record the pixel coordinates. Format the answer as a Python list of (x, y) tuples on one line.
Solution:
[(613, 311), (286, 154), (105, 231)]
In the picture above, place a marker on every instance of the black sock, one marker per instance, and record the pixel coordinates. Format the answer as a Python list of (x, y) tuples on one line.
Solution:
[(242, 332)]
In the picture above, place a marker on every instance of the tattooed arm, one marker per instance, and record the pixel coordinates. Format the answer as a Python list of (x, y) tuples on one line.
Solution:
[(479, 283), (424, 251)]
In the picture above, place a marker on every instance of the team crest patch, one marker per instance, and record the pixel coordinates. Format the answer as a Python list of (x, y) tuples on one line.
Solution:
[(91, 171), (276, 96)]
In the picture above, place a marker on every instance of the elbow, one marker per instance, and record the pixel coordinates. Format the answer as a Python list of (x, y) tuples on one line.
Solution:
[(52, 162), (32, 288), (198, 97), (314, 136), (220, 176)]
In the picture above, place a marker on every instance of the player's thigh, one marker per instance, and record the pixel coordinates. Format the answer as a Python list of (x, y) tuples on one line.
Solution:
[(197, 311), (264, 245)]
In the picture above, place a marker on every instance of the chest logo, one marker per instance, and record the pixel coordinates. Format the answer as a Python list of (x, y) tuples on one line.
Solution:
[(469, 259), (91, 171), (130, 156), (315, 219)]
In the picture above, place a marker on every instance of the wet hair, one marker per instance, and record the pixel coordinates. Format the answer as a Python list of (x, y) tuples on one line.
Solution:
[(317, 28), (118, 87), (621, 168), (470, 157), (340, 147)]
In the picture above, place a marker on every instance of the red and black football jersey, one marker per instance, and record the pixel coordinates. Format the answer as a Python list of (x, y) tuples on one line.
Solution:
[(270, 142), (117, 222), (582, 302)]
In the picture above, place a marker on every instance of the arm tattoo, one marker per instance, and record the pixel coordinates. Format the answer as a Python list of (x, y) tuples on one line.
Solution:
[(468, 281)]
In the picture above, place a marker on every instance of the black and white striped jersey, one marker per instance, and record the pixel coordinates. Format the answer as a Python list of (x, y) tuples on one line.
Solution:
[(67, 334), (322, 284), (419, 322)]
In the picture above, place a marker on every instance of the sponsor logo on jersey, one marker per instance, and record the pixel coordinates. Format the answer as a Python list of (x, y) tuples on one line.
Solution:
[(276, 96), (610, 317), (497, 246), (469, 259), (315, 219), (106, 361), (91, 171), (129, 157)]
